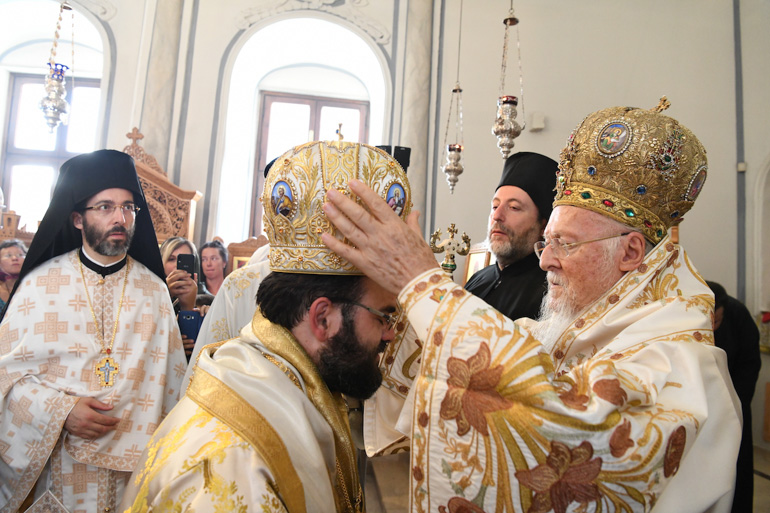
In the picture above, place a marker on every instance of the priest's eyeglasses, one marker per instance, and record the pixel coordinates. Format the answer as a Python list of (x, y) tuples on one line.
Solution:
[(388, 320), (561, 249), (107, 209)]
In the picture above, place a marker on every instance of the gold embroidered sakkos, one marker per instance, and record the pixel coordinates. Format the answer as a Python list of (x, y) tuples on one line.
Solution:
[(595, 425)]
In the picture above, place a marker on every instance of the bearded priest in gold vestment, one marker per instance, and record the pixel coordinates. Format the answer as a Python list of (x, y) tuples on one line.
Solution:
[(263, 425)]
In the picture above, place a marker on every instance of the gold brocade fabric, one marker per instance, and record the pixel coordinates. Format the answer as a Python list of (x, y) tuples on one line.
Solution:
[(225, 404), (636, 166), (332, 407), (48, 351), (257, 431), (632, 411), (295, 191)]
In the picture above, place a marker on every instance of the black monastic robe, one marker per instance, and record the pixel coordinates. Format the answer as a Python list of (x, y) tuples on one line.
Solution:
[(515, 291)]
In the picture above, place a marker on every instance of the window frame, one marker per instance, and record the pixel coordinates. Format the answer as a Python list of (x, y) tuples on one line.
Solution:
[(316, 103), (14, 156)]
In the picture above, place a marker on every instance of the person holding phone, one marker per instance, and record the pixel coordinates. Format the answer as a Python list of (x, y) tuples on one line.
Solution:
[(180, 262)]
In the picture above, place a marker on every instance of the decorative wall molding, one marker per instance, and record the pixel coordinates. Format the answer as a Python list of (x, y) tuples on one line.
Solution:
[(104, 9), (346, 9)]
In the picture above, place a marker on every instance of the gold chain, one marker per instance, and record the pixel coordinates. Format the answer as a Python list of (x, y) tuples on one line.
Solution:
[(99, 337), (341, 478), (270, 358)]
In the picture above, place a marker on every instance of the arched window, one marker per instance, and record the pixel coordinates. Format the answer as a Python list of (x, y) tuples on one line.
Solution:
[(31, 154), (293, 81)]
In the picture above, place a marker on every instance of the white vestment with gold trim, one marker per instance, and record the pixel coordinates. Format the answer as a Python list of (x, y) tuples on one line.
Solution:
[(633, 410), (251, 434), (48, 355)]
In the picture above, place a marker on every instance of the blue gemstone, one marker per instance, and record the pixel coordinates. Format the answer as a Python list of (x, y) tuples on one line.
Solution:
[(674, 214), (591, 170), (642, 189)]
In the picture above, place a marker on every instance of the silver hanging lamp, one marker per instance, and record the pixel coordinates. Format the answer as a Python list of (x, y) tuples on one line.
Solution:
[(506, 128), (453, 165), (54, 104)]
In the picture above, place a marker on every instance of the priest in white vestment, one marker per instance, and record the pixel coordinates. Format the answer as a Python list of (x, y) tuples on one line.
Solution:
[(263, 425), (617, 398), (90, 354)]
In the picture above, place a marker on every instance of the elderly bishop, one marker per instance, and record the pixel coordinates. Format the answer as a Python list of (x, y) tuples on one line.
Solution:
[(616, 399)]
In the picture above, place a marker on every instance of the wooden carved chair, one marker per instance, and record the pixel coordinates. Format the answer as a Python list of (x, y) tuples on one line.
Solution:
[(240, 252), (172, 208)]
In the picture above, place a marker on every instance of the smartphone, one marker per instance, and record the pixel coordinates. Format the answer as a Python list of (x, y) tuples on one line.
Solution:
[(186, 262), (190, 323)]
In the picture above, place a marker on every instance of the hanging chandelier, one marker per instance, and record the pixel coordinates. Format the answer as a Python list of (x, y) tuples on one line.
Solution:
[(53, 104), (453, 166), (506, 128)]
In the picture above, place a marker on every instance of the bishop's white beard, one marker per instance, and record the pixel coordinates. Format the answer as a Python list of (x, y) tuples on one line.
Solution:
[(555, 317)]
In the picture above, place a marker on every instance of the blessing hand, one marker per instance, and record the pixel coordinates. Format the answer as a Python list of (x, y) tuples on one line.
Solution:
[(387, 250)]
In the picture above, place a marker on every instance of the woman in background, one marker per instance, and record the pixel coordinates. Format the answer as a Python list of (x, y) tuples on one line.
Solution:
[(12, 254), (181, 285), (213, 264)]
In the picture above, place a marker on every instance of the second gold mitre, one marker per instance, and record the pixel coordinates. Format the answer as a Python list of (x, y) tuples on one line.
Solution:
[(295, 191)]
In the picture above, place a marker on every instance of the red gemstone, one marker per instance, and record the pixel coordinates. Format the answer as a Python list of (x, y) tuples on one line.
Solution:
[(647, 223), (608, 203), (109, 350), (567, 193)]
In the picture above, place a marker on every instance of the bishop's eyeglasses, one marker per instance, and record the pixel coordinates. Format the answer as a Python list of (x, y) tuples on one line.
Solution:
[(561, 248), (388, 320), (107, 209)]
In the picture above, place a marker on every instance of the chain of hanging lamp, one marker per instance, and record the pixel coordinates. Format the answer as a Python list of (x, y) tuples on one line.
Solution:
[(453, 167), (54, 104), (506, 128)]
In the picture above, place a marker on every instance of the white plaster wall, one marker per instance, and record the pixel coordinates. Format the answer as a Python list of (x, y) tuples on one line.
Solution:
[(579, 57), (756, 71), (131, 27)]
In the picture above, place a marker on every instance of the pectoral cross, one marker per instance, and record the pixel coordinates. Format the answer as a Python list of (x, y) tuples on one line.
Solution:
[(106, 370)]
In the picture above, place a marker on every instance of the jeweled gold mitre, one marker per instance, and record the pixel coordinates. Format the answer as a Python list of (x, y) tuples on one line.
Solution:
[(295, 191), (637, 166)]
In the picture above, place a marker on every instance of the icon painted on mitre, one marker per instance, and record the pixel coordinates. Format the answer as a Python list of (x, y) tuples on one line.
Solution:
[(281, 199), (396, 198), (613, 139), (696, 184)]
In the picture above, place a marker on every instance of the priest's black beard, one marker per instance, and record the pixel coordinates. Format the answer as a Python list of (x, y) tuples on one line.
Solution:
[(348, 367), (99, 240)]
